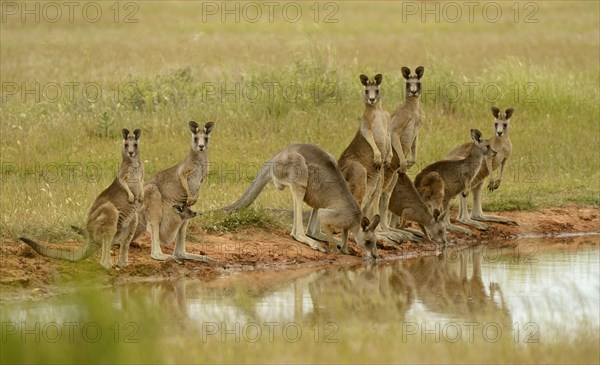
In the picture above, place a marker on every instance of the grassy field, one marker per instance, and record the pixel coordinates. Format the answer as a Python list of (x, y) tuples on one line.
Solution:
[(69, 86)]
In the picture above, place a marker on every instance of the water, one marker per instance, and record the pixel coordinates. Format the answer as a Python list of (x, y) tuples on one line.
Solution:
[(474, 304)]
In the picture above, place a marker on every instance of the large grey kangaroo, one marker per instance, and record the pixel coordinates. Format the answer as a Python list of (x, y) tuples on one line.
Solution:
[(314, 178), (457, 175), (405, 125), (362, 161), (112, 219), (176, 185), (367, 157), (500, 142)]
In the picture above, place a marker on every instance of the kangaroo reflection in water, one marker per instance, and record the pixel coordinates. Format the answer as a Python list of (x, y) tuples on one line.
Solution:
[(444, 287), (376, 293)]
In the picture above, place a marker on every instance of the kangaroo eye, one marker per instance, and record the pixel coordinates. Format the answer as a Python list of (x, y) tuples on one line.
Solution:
[(195, 139), (377, 91), (135, 145), (366, 92)]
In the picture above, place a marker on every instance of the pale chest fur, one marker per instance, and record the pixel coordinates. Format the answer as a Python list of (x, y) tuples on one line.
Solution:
[(133, 174), (379, 122), (195, 171), (412, 117), (503, 147)]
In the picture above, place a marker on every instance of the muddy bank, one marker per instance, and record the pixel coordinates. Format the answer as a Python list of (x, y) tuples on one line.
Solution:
[(23, 273)]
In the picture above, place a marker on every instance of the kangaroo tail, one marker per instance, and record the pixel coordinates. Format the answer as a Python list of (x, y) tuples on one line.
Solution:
[(258, 184), (78, 255)]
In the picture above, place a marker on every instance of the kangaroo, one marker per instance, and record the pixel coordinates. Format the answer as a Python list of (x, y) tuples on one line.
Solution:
[(314, 178), (408, 119), (431, 191), (457, 175), (361, 161), (405, 125), (184, 211), (112, 219), (177, 185), (500, 142), (408, 205)]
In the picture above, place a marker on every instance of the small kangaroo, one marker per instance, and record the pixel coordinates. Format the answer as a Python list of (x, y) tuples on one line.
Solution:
[(405, 125), (408, 205), (361, 161), (500, 142), (112, 219), (177, 185), (431, 191), (458, 175), (314, 178), (184, 211)]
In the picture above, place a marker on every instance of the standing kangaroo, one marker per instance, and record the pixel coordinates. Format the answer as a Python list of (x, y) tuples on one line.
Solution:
[(408, 205), (405, 125), (408, 118), (112, 219), (457, 175), (177, 185), (364, 162), (500, 142), (361, 161), (314, 178)]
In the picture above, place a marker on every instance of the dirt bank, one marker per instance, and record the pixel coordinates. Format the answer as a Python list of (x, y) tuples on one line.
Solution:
[(22, 271)]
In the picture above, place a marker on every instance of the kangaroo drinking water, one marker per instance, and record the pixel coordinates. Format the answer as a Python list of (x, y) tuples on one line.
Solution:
[(112, 219), (314, 178), (408, 205)]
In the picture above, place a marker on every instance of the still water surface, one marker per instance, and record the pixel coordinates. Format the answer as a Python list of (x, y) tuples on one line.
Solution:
[(467, 298)]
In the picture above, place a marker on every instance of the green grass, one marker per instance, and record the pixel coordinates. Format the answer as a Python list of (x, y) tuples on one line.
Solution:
[(57, 155)]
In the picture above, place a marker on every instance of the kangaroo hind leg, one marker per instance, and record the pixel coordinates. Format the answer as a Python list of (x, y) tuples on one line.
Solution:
[(103, 226), (291, 170)]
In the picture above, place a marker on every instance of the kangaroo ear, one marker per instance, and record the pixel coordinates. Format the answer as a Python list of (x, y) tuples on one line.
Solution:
[(364, 223), (178, 208), (495, 112), (436, 214), (419, 71), (509, 113), (125, 133), (443, 215), (374, 223), (476, 135), (194, 127), (378, 78), (364, 79), (405, 72), (137, 133), (208, 127)]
